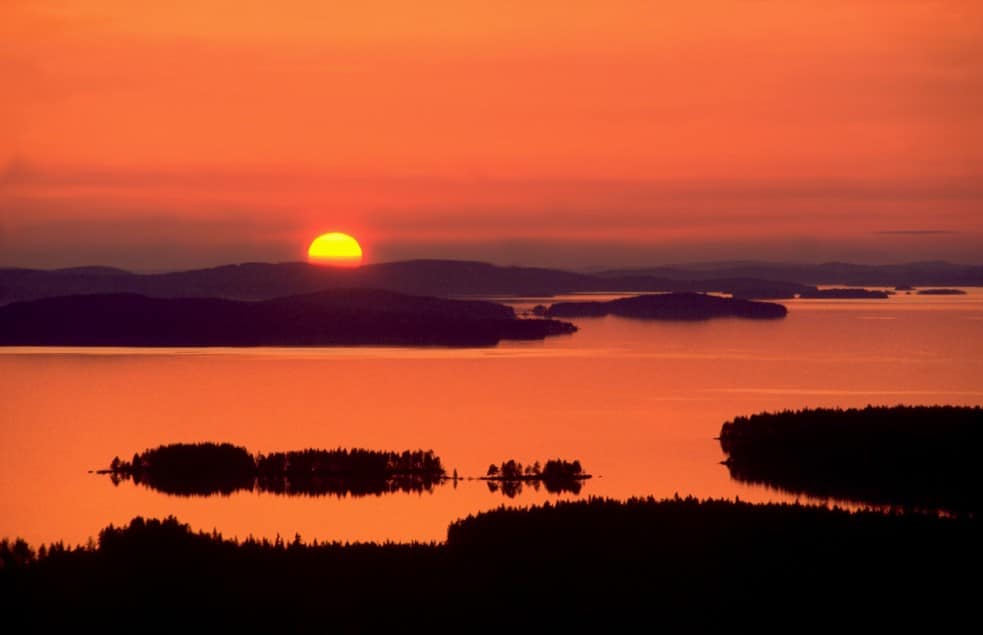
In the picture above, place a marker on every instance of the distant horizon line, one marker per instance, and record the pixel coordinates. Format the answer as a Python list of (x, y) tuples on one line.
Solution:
[(583, 270)]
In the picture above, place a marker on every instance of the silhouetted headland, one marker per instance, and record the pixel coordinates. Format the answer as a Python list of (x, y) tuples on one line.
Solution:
[(845, 294), (923, 457), (670, 306), (940, 292), (203, 469), (557, 476), (339, 317), (699, 564)]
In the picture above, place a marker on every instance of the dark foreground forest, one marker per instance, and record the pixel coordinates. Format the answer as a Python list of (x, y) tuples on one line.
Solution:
[(922, 457), (699, 564)]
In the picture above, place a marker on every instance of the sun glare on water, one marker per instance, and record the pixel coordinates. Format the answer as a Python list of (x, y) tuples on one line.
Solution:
[(335, 248)]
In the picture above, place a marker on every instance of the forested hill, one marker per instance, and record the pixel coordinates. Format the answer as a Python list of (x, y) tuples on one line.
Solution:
[(261, 281)]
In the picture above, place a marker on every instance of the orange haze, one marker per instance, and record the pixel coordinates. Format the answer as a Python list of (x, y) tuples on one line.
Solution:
[(192, 132)]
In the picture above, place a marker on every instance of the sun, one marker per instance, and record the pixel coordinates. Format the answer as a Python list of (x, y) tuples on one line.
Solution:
[(335, 248)]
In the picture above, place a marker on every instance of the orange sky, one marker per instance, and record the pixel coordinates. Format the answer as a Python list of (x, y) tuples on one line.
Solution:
[(159, 135)]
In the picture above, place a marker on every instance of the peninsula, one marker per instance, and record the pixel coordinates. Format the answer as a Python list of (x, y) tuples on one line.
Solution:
[(922, 457), (337, 317)]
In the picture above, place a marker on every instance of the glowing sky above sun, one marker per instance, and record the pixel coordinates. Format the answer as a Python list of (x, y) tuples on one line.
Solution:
[(198, 132)]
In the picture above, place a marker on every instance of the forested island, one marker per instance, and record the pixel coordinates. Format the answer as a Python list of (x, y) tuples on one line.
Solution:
[(669, 306), (922, 457), (695, 564), (844, 294), (338, 317), (204, 469), (940, 292), (557, 476)]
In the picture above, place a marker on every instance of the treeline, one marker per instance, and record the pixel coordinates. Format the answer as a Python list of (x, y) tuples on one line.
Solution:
[(701, 563), (922, 457), (357, 472), (557, 476), (209, 468)]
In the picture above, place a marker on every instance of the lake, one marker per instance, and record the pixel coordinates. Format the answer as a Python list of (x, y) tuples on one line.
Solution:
[(639, 403)]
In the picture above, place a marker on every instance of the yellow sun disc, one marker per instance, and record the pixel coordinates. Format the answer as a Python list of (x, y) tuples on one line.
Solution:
[(335, 248)]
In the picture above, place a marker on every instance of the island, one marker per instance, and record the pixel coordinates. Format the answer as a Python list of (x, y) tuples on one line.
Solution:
[(669, 306), (940, 292), (844, 294), (921, 457), (204, 469), (336, 317), (557, 476)]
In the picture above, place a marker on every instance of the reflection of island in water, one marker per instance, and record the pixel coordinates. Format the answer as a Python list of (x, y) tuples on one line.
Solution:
[(557, 476), (924, 457), (205, 469)]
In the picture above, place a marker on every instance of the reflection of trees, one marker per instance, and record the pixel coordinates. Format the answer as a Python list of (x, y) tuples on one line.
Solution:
[(558, 476), (563, 486), (922, 457), (348, 472), (200, 469)]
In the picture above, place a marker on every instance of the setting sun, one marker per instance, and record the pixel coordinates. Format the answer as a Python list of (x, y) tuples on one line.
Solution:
[(335, 248)]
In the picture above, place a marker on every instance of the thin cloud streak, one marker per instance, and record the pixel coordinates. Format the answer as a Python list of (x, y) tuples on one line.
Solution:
[(916, 232)]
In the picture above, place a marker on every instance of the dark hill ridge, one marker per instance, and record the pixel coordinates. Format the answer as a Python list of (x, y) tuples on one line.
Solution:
[(262, 281), (670, 306), (330, 318), (94, 271)]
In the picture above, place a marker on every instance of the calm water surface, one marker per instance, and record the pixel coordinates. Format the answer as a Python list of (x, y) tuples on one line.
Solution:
[(637, 402)]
